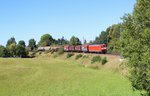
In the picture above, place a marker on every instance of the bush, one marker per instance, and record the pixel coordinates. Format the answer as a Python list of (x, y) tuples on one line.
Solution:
[(60, 51), (85, 56), (96, 59), (69, 55), (78, 56), (104, 61)]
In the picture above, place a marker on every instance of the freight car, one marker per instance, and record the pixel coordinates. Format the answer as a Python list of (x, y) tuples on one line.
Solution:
[(78, 48), (49, 48), (66, 48), (85, 48), (44, 48), (71, 48)]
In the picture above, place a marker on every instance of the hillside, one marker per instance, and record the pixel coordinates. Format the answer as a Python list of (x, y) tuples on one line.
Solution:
[(49, 76)]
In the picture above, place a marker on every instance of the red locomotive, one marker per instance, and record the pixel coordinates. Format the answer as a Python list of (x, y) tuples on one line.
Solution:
[(98, 48)]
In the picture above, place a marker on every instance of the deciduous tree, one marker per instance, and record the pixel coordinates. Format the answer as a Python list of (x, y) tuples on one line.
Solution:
[(135, 43), (3, 52), (46, 40), (21, 42), (32, 44), (21, 51), (10, 41), (75, 41)]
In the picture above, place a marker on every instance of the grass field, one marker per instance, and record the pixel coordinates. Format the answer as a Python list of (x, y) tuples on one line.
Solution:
[(58, 77)]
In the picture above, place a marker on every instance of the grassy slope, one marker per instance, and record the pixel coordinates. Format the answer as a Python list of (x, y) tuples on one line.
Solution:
[(57, 77)]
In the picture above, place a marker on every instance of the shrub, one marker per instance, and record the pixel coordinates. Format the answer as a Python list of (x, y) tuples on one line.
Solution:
[(85, 56), (96, 59), (69, 55), (104, 61), (61, 51), (78, 56)]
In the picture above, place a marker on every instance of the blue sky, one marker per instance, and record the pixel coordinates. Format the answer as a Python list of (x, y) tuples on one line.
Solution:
[(26, 19)]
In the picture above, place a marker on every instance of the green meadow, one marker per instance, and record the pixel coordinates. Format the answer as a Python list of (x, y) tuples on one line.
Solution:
[(46, 76)]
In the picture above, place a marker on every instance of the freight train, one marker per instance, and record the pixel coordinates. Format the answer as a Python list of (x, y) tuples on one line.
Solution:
[(86, 48), (96, 48)]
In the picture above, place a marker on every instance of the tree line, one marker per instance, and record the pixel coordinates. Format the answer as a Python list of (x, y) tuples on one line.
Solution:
[(13, 49)]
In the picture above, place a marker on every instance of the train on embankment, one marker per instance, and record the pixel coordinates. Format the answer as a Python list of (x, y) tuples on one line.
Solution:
[(86, 48)]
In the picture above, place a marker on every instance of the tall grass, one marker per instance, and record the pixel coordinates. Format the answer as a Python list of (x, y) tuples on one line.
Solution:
[(57, 77)]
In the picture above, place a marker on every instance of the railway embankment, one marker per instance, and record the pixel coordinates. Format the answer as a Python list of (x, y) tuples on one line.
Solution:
[(112, 63)]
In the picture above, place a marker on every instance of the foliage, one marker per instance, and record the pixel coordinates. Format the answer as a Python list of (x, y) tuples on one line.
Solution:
[(61, 41), (75, 41), (22, 43), (46, 40), (69, 55), (11, 41), (114, 38), (21, 51), (96, 59), (12, 50), (104, 60), (78, 56), (3, 51), (110, 37), (85, 56), (32, 44), (102, 38), (11, 47), (135, 43)]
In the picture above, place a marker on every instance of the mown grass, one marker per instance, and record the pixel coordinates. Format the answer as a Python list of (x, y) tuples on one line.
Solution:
[(57, 77)]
